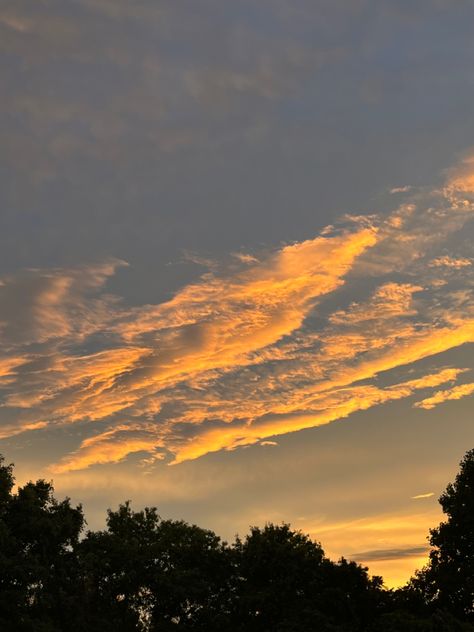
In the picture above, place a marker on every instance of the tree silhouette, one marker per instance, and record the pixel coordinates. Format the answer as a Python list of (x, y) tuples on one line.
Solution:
[(279, 572), (288, 585), (147, 573), (142, 573), (448, 580), (38, 565)]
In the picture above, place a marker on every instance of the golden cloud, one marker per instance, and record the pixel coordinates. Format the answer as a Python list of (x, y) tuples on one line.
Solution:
[(260, 347), (399, 538), (333, 404), (457, 392), (107, 447)]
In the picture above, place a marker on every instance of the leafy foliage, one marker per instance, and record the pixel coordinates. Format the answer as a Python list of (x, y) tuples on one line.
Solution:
[(448, 580), (147, 574), (38, 558)]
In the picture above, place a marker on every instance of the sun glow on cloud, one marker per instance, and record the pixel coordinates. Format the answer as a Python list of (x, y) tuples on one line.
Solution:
[(457, 392), (400, 541), (422, 496), (260, 346)]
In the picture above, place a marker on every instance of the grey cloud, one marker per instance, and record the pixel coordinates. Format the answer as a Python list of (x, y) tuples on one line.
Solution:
[(389, 554), (36, 306), (157, 119)]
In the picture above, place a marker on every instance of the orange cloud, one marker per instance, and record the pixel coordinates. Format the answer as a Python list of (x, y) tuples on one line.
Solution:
[(392, 545), (11, 430), (109, 447), (459, 189), (334, 404), (457, 392), (8, 366), (461, 177), (261, 346)]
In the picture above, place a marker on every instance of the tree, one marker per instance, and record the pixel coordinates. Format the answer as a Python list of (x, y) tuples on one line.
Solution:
[(145, 573), (448, 580), (286, 584), (277, 572), (38, 566), (350, 597)]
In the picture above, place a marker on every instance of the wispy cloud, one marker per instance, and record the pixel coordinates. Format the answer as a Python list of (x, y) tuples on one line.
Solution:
[(422, 496), (390, 554), (404, 189), (260, 346), (457, 392), (451, 262), (399, 540), (247, 67)]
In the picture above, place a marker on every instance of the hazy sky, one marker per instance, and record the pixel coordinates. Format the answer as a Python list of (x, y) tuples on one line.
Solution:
[(237, 261)]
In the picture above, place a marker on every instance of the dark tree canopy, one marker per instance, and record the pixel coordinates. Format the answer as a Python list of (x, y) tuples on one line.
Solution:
[(448, 580), (38, 562), (147, 574)]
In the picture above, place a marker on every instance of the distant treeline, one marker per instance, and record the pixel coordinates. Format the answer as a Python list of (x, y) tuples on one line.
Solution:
[(145, 573)]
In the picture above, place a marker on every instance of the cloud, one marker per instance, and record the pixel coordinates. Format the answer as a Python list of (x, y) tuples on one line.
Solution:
[(399, 538), (258, 347), (13, 23), (108, 447), (175, 97), (457, 392), (390, 554), (8, 366), (245, 257), (460, 184), (404, 189), (330, 405), (451, 262), (11, 430), (40, 305)]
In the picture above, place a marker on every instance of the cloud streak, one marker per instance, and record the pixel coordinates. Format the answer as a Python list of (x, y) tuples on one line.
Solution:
[(422, 496), (457, 392), (400, 540), (259, 346), (390, 554)]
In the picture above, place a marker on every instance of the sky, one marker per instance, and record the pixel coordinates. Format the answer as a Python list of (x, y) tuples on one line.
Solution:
[(237, 261)]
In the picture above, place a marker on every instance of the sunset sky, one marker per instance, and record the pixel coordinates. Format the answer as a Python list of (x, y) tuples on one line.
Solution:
[(237, 261)]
